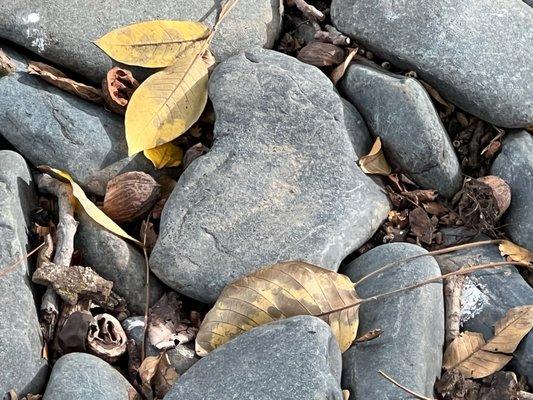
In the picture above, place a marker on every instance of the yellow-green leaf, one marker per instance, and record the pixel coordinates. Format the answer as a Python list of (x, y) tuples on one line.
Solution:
[(281, 291), (166, 104), (153, 44), (166, 155), (90, 208)]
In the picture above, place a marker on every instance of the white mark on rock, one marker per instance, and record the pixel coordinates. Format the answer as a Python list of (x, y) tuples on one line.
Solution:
[(32, 18), (473, 300), (35, 34)]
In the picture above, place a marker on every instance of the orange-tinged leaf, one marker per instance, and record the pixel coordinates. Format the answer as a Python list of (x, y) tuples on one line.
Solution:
[(340, 70), (375, 161), (166, 155), (515, 252)]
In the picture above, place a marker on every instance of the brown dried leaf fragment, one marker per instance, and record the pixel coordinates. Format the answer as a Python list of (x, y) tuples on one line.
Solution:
[(6, 65), (421, 195), (421, 225), (340, 70), (193, 153), (375, 161), (59, 79), (370, 335), (515, 252), (117, 89), (321, 54)]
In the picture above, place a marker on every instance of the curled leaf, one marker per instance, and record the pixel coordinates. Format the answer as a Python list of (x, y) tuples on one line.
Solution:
[(6, 65), (166, 155), (340, 70), (281, 291), (375, 161), (153, 44), (117, 89), (515, 252)]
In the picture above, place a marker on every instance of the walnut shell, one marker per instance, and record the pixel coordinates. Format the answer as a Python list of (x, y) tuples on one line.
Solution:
[(321, 54), (130, 195)]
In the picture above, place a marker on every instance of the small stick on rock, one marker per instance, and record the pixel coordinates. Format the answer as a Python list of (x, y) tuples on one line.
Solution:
[(418, 396), (332, 35), (308, 10), (453, 287)]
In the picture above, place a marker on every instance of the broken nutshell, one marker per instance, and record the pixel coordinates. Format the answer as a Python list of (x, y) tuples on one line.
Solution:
[(321, 54)]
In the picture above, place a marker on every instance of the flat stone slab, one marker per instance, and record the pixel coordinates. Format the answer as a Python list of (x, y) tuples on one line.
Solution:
[(296, 358), (84, 376), (64, 32), (400, 112), (476, 53), (280, 183), (410, 347), (21, 366), (515, 165), (49, 126)]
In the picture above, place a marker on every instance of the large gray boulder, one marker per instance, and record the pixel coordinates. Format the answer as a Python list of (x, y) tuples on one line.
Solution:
[(476, 53), (63, 32), (280, 183), (400, 112), (515, 165), (21, 366), (410, 348), (118, 261), (488, 294), (296, 358), (83, 376), (51, 127)]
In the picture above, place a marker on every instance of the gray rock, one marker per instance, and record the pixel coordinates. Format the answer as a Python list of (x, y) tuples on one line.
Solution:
[(118, 261), (281, 182), (64, 33), (83, 376), (49, 126), (515, 165), (357, 130), (444, 42), (134, 329), (400, 112), (21, 366), (488, 295), (182, 357), (410, 348), (296, 358)]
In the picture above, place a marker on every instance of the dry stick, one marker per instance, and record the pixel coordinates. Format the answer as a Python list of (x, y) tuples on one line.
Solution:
[(464, 271), (453, 287), (13, 266), (147, 291), (418, 396), (431, 253), (308, 10)]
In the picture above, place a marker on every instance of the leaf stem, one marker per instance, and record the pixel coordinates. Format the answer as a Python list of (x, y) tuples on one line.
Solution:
[(13, 266), (418, 396)]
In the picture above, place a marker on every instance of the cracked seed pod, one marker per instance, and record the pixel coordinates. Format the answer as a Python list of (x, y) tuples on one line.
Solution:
[(321, 54), (106, 338), (130, 195)]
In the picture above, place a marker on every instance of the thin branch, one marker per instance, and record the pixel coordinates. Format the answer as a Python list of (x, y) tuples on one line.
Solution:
[(147, 291), (308, 10), (418, 396), (14, 266), (431, 253)]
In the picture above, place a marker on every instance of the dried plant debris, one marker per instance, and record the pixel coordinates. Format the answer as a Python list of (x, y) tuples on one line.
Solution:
[(370, 335), (375, 161), (157, 376), (514, 252), (106, 338), (72, 337), (7, 66), (117, 89), (321, 54)]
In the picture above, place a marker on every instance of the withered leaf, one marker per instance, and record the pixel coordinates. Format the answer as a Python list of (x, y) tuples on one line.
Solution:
[(340, 70), (515, 252), (435, 208), (6, 65), (59, 79), (421, 195), (193, 153), (375, 161), (421, 225), (436, 95), (117, 89), (370, 335)]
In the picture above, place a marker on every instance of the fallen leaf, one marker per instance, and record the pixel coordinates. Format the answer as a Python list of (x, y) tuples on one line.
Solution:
[(281, 291), (166, 105), (148, 369), (421, 225), (375, 161), (193, 153), (153, 44), (209, 60), (436, 95), (370, 335), (117, 89), (165, 377), (340, 70), (60, 80), (474, 358), (435, 208), (421, 195), (90, 208), (151, 236), (6, 65), (166, 155), (515, 253)]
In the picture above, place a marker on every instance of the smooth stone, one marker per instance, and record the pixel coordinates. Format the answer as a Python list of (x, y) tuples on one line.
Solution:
[(488, 294), (280, 183), (64, 33), (296, 358), (515, 165), (21, 366), (410, 347), (399, 110), (116, 260), (182, 357), (134, 329), (51, 127), (444, 42), (357, 130), (84, 376)]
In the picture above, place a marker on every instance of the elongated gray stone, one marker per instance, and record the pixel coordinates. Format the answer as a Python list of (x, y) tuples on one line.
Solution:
[(357, 130), (117, 261), (21, 366), (51, 127), (64, 32), (410, 347), (476, 53), (400, 112), (280, 183), (296, 358), (83, 376), (515, 165)]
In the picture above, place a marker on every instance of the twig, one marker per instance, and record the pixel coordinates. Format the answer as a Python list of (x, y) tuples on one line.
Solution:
[(431, 253), (418, 396), (147, 291), (333, 36), (14, 266), (453, 287), (308, 10)]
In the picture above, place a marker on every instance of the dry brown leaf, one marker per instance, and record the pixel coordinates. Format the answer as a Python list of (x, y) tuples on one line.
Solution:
[(281, 291), (165, 377), (474, 358), (421, 195), (421, 225), (148, 369), (340, 70), (117, 89), (6, 65), (435, 208), (375, 161), (370, 335), (60, 80), (515, 252)]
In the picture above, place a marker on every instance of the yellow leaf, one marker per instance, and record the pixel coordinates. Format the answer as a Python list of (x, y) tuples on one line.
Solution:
[(166, 104), (166, 155), (474, 358), (375, 161), (281, 291), (515, 253), (90, 208), (153, 44)]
